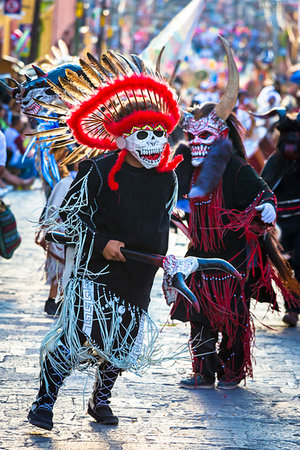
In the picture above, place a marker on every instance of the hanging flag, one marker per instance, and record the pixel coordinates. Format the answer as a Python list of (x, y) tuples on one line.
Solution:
[(176, 36), (12, 7)]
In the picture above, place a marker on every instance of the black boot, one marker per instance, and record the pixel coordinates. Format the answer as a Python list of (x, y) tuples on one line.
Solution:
[(50, 307), (98, 405), (40, 413)]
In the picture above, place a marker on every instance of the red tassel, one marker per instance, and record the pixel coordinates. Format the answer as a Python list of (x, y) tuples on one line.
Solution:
[(219, 296), (114, 186), (206, 217), (165, 165)]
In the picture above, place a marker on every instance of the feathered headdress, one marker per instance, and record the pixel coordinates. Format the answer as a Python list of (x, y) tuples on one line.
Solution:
[(114, 97)]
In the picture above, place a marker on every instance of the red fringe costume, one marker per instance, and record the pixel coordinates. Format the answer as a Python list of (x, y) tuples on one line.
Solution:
[(226, 225)]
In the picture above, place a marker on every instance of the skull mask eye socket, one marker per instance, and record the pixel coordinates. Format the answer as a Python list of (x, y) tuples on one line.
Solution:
[(141, 135), (190, 136), (49, 91), (158, 133)]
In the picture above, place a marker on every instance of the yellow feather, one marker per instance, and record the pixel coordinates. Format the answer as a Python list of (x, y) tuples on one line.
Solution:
[(55, 108), (63, 144), (72, 90), (47, 118), (77, 154), (79, 82), (51, 132), (62, 94), (91, 73), (117, 62)]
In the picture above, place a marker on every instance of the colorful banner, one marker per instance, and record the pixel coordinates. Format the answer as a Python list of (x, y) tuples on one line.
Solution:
[(176, 37), (12, 7), (23, 42)]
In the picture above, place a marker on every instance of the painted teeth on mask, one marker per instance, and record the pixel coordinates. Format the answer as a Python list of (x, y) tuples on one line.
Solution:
[(199, 150), (150, 152)]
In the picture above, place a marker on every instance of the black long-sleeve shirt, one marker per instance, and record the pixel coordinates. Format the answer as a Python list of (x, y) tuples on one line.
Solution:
[(136, 214)]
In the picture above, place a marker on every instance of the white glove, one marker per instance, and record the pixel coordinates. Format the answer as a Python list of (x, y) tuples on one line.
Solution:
[(268, 213)]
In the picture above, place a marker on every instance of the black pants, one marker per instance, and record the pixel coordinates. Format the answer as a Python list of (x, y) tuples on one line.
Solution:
[(207, 361), (52, 379)]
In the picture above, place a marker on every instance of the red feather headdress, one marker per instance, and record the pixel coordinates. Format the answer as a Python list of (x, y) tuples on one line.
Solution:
[(111, 98)]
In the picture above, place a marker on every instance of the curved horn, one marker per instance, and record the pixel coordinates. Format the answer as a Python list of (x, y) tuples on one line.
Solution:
[(158, 61), (15, 82), (228, 100), (281, 112), (178, 283), (27, 77), (8, 88), (219, 264), (40, 72)]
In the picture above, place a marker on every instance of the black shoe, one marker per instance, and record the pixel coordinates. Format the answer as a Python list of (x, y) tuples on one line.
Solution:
[(226, 384), (41, 416), (103, 414), (50, 307), (291, 318), (197, 382)]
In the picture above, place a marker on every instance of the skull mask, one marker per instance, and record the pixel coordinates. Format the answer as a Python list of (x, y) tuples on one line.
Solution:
[(202, 134), (27, 100), (147, 145)]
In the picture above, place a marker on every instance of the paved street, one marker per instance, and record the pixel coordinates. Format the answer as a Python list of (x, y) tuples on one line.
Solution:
[(154, 411)]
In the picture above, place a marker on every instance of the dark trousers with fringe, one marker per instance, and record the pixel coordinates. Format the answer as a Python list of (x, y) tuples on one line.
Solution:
[(52, 379), (228, 361)]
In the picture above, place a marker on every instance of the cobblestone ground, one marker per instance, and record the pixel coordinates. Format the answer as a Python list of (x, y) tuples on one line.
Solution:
[(154, 411)]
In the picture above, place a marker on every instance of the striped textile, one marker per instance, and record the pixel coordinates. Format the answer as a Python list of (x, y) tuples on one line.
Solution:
[(9, 236)]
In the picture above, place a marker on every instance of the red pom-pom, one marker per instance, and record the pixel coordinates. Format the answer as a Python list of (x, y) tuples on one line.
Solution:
[(114, 186)]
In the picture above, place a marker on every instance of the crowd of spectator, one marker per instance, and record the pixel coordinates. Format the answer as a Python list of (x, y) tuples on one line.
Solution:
[(15, 170)]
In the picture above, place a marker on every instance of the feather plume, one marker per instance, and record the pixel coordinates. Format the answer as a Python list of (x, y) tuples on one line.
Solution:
[(130, 64), (109, 64), (63, 48), (117, 62), (55, 108), (55, 139), (79, 82), (72, 90), (98, 66), (76, 155), (56, 52), (139, 63), (63, 144), (47, 118), (94, 153), (62, 94), (91, 74), (51, 132)]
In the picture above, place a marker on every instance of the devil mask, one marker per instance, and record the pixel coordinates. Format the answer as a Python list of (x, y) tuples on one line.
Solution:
[(204, 130), (202, 134)]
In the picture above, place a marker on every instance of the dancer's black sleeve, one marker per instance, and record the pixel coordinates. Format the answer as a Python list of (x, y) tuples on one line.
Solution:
[(87, 185), (249, 185)]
